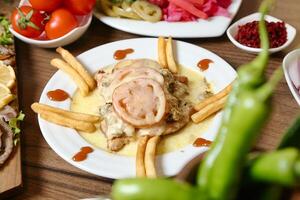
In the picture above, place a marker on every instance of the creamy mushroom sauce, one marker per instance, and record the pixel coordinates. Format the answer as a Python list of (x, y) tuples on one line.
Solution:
[(186, 136)]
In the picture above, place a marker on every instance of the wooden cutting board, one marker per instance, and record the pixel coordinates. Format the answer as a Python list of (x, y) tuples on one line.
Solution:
[(10, 172)]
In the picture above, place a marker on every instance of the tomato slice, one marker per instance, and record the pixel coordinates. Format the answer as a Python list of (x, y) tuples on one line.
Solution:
[(140, 102), (190, 7)]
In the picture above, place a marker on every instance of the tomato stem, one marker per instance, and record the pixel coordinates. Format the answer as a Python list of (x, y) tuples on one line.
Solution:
[(24, 20)]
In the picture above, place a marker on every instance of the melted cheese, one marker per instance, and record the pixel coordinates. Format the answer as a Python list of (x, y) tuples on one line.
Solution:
[(91, 105)]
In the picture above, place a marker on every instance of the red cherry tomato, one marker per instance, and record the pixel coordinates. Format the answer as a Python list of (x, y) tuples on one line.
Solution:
[(48, 6), (61, 22), (27, 21), (80, 7)]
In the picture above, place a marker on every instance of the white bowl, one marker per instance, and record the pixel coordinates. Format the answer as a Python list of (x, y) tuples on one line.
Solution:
[(287, 61), (70, 37), (233, 29)]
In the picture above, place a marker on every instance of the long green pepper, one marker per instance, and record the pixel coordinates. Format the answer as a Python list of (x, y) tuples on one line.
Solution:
[(246, 111)]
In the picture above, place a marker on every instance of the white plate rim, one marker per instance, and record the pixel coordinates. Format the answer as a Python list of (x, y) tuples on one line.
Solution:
[(212, 27), (286, 64), (89, 165)]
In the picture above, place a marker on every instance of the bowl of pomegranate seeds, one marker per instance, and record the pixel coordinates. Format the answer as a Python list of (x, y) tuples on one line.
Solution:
[(244, 33)]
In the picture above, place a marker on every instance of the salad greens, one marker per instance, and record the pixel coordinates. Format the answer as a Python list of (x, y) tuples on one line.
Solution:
[(14, 125), (6, 37)]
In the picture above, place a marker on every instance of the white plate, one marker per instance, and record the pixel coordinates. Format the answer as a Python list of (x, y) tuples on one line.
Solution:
[(213, 27), (287, 61), (66, 142)]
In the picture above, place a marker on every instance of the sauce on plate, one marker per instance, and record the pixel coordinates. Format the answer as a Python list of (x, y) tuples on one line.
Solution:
[(82, 154), (204, 64), (121, 54), (58, 95), (201, 142)]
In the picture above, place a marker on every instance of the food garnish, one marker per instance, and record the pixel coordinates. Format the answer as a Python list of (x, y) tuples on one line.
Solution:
[(7, 75), (204, 64), (121, 54), (248, 34), (28, 21), (82, 154), (165, 10), (201, 142), (58, 95), (140, 102), (5, 95), (6, 37), (14, 124)]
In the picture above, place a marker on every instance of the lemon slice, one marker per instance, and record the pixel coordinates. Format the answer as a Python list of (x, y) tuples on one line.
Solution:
[(5, 95), (7, 75)]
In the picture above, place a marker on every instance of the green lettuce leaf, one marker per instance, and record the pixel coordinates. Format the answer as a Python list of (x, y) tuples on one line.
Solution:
[(14, 125), (6, 37)]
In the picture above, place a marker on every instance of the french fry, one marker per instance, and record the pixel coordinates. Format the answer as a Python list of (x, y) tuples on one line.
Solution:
[(39, 108), (150, 157), (213, 98), (172, 65), (67, 122), (140, 153), (71, 60), (65, 67), (162, 57), (209, 110)]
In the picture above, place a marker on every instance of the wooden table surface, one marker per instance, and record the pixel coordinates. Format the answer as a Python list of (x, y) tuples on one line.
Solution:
[(47, 176)]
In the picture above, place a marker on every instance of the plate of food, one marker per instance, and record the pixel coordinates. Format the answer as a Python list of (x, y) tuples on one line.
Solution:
[(144, 111), (176, 18)]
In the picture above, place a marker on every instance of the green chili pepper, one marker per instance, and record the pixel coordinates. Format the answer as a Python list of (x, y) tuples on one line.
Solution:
[(279, 167), (244, 114), (269, 173), (153, 189), (292, 137)]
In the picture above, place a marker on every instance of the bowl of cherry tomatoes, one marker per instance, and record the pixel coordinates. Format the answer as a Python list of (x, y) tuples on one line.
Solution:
[(51, 24)]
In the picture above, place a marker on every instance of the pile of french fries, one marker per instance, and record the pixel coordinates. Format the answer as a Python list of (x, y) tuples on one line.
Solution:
[(71, 66), (78, 121), (85, 83), (211, 105), (166, 54), (145, 156)]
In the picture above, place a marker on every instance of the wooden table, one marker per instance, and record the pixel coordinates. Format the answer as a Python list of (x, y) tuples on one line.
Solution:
[(47, 176)]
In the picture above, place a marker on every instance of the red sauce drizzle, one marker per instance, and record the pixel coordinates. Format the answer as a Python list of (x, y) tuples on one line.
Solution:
[(121, 54), (58, 95), (82, 154), (204, 64), (201, 142)]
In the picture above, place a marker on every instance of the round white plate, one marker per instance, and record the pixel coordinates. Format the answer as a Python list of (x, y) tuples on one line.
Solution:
[(66, 142), (212, 27)]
